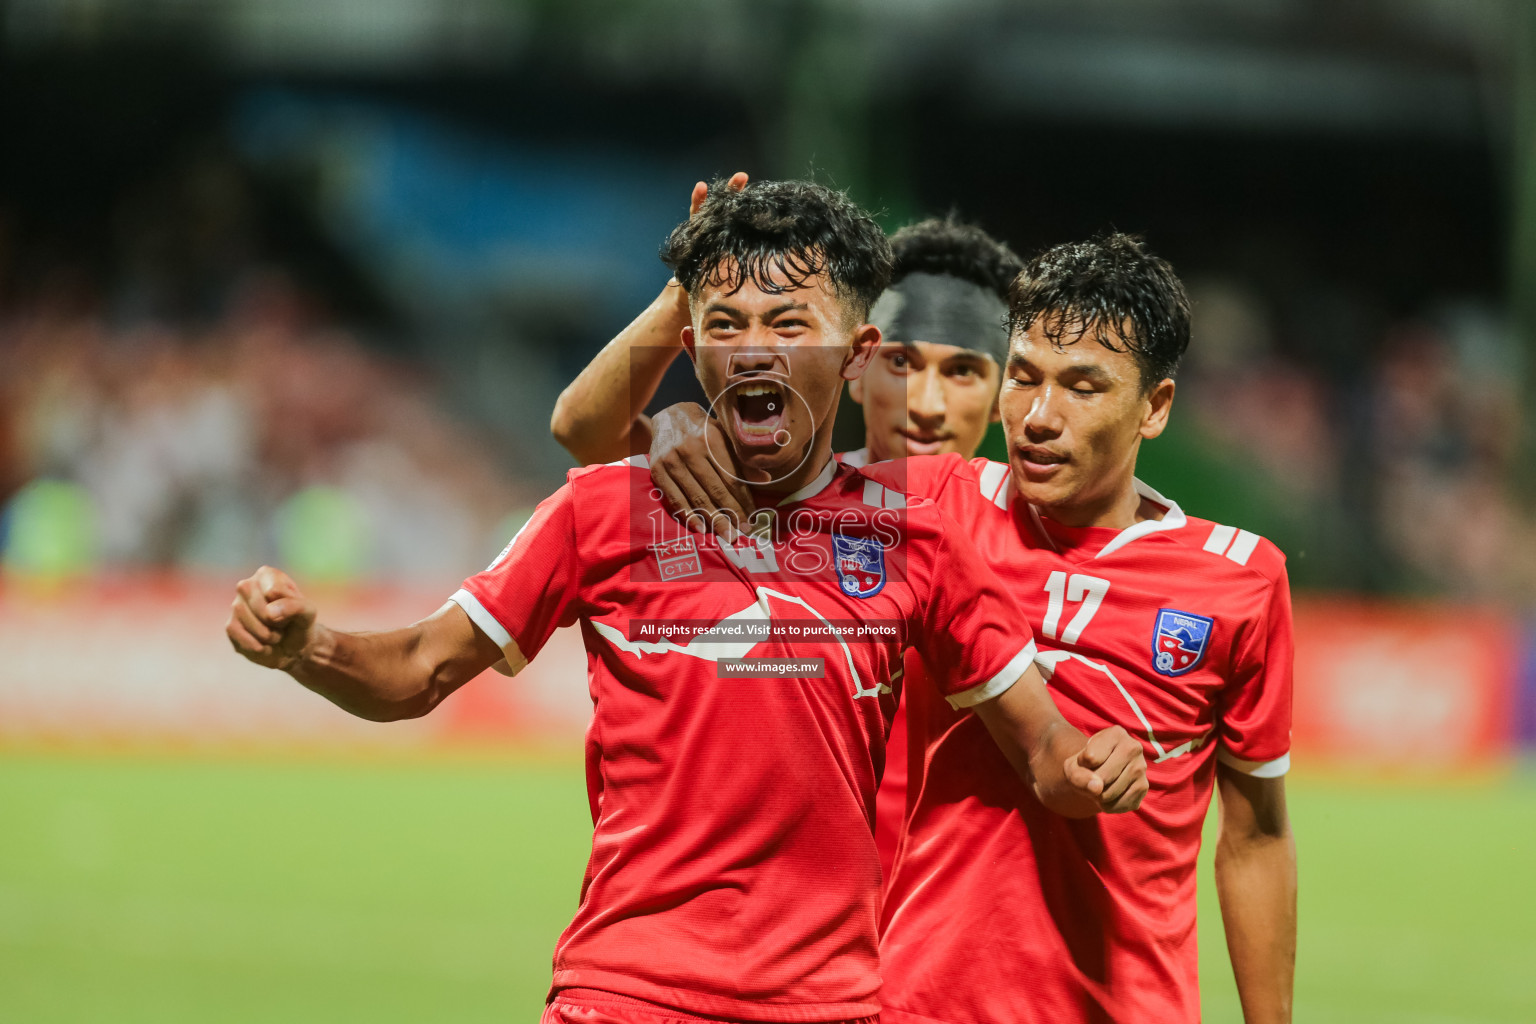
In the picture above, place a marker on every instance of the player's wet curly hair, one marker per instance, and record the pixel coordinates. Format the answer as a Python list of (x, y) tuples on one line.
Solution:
[(1112, 288), (778, 235), (947, 245)]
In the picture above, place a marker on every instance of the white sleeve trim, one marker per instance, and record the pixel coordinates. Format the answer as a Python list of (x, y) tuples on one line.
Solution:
[(488, 624), (1258, 769), (998, 684)]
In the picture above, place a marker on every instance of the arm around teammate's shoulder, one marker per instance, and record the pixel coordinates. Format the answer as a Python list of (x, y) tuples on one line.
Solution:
[(383, 677)]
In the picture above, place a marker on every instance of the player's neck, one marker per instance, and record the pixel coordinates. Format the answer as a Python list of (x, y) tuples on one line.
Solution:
[(771, 494), (1119, 509), (876, 453)]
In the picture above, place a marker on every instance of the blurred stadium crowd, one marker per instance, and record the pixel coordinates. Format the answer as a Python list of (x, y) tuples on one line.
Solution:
[(1399, 442), (181, 402)]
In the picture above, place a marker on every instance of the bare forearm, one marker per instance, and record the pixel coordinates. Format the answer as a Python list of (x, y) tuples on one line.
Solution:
[(600, 416), (1037, 741), (402, 673), (1047, 772), (377, 676), (1070, 775), (1256, 884)]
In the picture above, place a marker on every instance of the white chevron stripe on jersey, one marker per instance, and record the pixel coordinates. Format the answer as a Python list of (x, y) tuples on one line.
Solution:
[(1220, 539), (707, 647), (993, 478), (1243, 547), (876, 496), (1048, 661), (1236, 544)]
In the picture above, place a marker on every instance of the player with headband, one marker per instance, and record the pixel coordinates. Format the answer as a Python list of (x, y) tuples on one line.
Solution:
[(1179, 628)]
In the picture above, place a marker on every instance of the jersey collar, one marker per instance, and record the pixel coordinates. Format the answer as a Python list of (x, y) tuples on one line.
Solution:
[(857, 459), (1173, 519), (815, 487)]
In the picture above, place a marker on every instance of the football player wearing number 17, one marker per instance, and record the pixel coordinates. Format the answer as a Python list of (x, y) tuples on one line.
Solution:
[(1175, 627)]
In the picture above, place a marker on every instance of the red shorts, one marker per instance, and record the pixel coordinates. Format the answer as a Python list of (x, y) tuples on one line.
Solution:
[(590, 1006)]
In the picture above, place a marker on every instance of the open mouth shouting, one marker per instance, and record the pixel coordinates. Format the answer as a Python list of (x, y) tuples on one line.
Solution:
[(759, 413)]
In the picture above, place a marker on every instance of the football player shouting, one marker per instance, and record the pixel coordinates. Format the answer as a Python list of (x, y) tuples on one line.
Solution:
[(1175, 627), (740, 688)]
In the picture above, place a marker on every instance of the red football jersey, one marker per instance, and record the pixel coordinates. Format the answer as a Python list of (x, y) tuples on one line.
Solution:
[(733, 869), (891, 797), (1178, 629)]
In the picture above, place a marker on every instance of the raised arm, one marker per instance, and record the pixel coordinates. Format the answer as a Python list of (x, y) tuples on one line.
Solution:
[(383, 677), (600, 416), (1069, 775), (1256, 884)]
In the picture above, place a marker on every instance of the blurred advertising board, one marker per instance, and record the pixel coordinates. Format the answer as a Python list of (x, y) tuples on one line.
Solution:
[(145, 660), (1525, 695), (1415, 687)]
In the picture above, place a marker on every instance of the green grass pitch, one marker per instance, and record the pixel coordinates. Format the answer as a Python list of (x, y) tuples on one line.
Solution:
[(231, 889)]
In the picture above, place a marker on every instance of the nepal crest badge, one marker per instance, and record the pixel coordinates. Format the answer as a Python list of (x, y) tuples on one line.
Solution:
[(1179, 641), (860, 563)]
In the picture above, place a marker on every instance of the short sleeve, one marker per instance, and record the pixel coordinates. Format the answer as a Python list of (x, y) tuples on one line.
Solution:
[(971, 630), (533, 585), (1255, 727)]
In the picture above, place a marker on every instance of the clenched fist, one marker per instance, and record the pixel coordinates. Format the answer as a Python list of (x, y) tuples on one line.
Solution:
[(1110, 769), (270, 620)]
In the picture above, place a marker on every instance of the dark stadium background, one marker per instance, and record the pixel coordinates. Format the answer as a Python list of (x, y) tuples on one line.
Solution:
[(299, 282)]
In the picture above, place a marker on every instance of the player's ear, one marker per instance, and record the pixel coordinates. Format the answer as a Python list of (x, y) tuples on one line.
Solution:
[(856, 390), (688, 342), (1159, 402), (866, 342)]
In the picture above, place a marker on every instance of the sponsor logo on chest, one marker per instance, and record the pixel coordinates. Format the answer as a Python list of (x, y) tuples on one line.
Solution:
[(676, 559)]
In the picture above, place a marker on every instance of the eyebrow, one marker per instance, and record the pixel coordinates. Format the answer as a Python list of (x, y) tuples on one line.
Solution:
[(1086, 371), (964, 354), (732, 311), (968, 355)]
